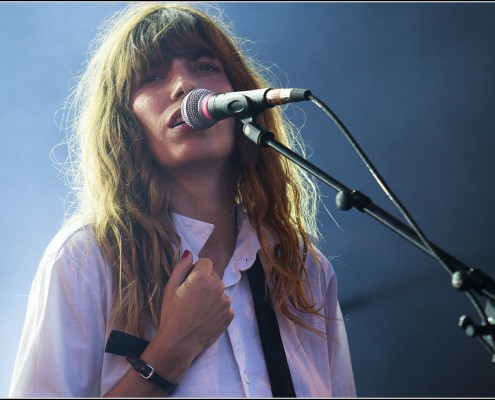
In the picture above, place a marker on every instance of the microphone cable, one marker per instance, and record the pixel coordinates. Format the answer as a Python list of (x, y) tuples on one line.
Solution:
[(393, 198)]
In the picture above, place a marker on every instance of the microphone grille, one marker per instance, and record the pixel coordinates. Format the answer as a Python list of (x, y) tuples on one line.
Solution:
[(190, 110)]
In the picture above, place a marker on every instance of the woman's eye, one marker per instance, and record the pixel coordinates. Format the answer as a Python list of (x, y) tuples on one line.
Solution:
[(151, 78), (207, 68)]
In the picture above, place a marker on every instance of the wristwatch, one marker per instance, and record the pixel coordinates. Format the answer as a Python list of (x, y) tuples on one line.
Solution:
[(149, 373)]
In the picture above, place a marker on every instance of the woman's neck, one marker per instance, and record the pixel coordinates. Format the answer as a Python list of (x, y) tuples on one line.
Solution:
[(210, 198), (207, 196)]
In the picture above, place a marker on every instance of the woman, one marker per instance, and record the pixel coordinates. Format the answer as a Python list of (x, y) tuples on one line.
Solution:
[(170, 221)]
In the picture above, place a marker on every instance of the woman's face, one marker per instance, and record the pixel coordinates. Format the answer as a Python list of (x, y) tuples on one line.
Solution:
[(156, 102)]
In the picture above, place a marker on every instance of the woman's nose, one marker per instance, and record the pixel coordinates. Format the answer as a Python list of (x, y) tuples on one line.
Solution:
[(182, 82)]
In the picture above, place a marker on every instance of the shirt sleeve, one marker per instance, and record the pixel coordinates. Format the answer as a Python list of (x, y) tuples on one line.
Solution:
[(62, 344), (342, 377)]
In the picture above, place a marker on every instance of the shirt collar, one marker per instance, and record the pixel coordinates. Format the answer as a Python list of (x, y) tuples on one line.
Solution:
[(194, 234)]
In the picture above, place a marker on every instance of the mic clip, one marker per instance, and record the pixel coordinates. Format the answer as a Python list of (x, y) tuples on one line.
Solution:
[(256, 133)]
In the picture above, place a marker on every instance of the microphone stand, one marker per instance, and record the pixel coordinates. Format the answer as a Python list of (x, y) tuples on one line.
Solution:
[(463, 278)]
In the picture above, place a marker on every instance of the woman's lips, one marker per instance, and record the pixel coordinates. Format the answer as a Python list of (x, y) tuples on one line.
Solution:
[(183, 128)]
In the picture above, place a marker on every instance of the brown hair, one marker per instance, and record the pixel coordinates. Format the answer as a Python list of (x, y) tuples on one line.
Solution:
[(120, 187)]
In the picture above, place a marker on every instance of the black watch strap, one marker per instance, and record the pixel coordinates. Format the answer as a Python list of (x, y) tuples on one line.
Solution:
[(149, 373)]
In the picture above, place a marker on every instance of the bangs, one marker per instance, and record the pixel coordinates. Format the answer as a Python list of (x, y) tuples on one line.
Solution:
[(167, 34)]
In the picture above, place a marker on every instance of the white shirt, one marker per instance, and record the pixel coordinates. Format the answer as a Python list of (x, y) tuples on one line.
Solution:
[(61, 352)]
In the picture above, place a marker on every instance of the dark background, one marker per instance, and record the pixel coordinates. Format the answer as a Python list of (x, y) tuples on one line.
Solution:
[(413, 82)]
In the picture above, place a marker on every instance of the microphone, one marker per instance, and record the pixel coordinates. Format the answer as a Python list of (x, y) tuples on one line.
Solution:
[(201, 108)]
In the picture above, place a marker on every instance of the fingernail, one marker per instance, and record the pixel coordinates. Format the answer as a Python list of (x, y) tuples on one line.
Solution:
[(185, 254)]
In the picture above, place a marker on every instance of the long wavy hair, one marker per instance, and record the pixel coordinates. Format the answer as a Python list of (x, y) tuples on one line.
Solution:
[(120, 188)]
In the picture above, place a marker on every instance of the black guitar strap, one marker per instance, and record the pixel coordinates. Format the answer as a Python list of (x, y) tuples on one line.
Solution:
[(271, 341)]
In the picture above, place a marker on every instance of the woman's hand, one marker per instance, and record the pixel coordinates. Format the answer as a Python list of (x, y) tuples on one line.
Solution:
[(195, 306), (195, 312)]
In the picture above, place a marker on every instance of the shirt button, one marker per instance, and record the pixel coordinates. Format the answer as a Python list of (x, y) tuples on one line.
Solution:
[(246, 377)]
